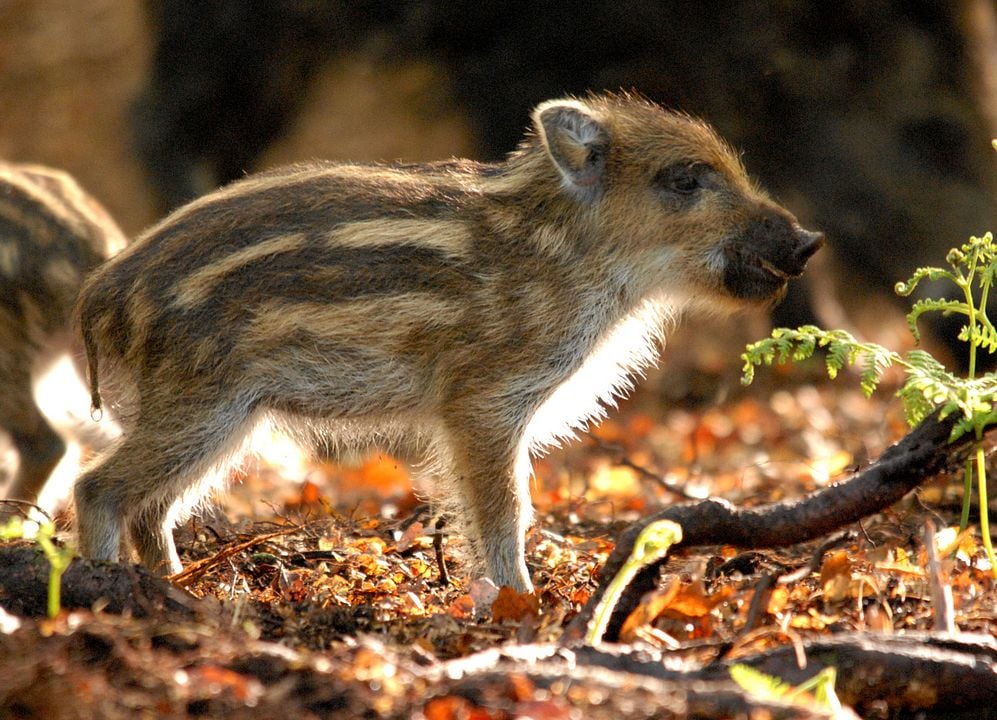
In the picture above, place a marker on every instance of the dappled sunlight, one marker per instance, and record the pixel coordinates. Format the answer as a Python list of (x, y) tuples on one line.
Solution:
[(278, 452), (64, 400)]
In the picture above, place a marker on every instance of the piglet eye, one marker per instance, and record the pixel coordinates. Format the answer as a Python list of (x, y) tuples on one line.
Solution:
[(681, 179), (684, 184)]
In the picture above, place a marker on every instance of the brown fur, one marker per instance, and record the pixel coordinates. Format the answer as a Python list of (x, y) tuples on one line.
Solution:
[(460, 314), (51, 234)]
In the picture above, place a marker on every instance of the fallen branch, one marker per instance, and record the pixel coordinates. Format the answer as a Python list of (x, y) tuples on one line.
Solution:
[(921, 454), (610, 672), (934, 675)]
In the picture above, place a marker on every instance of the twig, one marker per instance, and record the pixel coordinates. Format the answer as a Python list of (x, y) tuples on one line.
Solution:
[(763, 588), (198, 568), (623, 460), (24, 506), (942, 605), (441, 561)]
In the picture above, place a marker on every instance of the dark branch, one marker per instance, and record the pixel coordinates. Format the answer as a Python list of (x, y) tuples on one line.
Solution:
[(921, 454)]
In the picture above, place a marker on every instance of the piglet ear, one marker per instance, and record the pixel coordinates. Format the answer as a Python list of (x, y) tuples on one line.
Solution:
[(577, 142)]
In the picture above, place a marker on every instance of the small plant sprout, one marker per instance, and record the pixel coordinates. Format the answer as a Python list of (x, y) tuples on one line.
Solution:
[(651, 545), (817, 692), (928, 385), (58, 557)]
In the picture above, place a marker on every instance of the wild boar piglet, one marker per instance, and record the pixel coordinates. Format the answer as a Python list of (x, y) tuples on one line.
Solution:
[(459, 314), (51, 234)]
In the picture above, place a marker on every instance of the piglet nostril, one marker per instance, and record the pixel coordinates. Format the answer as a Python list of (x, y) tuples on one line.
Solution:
[(808, 243)]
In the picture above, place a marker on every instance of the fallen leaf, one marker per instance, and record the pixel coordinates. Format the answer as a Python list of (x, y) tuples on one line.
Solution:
[(219, 679), (650, 607), (452, 707), (613, 480), (693, 600), (778, 600), (641, 425), (836, 576), (413, 533), (483, 591), (512, 605), (462, 608), (521, 688)]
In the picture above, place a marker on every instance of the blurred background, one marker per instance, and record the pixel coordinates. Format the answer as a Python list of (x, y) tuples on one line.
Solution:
[(870, 119)]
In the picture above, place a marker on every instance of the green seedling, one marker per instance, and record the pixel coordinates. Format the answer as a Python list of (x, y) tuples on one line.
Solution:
[(651, 545), (58, 557), (817, 692)]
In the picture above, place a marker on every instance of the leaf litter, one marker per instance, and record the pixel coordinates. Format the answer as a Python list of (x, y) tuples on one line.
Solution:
[(328, 593)]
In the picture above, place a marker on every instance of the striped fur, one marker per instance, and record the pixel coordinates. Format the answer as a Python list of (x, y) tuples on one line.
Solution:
[(51, 234), (464, 315)]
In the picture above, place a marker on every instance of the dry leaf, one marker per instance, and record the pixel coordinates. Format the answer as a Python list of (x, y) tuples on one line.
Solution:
[(520, 687), (836, 576), (451, 707), (693, 601), (778, 600), (483, 591), (461, 608), (553, 709), (650, 607), (511, 605), (413, 533)]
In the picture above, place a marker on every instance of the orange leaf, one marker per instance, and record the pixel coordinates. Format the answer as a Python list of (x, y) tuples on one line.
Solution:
[(511, 605), (310, 494), (693, 600), (462, 608), (580, 596), (651, 606), (412, 533), (641, 425), (449, 707), (452, 707), (553, 709), (220, 678), (369, 545), (608, 431), (521, 688), (293, 585)]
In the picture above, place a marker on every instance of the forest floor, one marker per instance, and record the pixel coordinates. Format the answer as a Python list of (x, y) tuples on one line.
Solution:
[(317, 594)]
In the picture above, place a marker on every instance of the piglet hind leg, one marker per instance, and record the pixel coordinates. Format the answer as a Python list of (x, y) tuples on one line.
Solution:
[(101, 495), (147, 480)]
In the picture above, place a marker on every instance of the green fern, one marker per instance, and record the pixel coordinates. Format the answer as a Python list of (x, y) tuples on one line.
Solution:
[(928, 386)]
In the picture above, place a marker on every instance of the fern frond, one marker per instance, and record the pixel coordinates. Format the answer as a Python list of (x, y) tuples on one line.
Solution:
[(982, 335), (837, 357), (924, 273), (946, 307), (877, 361)]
